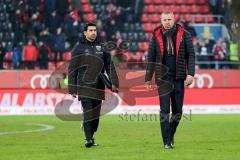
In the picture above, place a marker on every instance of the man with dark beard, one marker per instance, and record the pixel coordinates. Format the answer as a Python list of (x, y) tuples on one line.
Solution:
[(84, 80)]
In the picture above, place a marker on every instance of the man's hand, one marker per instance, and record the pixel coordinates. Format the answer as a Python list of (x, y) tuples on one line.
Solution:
[(115, 89), (189, 80), (149, 85)]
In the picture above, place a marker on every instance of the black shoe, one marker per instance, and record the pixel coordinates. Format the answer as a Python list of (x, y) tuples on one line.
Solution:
[(172, 141), (88, 143), (93, 142), (166, 146)]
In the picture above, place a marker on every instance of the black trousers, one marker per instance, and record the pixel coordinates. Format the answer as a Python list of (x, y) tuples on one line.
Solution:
[(91, 114), (30, 64), (169, 123), (56, 58), (43, 64)]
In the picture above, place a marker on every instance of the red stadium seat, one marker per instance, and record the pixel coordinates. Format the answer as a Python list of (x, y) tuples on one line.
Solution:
[(128, 56), (144, 46), (155, 18), (187, 17), (198, 18), (179, 2), (190, 2), (87, 8), (151, 9), (148, 2), (139, 56), (148, 27), (145, 8), (67, 56), (174, 8), (158, 1), (75, 15), (194, 9), (161, 8), (155, 25), (169, 1), (149, 35), (51, 65), (177, 17), (90, 17), (60, 63), (201, 1), (184, 9), (144, 18), (210, 19), (205, 9), (84, 1)]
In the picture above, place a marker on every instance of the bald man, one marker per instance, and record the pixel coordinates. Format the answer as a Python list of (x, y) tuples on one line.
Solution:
[(172, 47)]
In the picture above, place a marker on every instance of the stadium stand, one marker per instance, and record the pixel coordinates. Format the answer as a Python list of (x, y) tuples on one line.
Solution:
[(58, 25)]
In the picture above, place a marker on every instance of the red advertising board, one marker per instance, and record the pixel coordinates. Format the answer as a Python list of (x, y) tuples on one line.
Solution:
[(43, 101), (41, 79)]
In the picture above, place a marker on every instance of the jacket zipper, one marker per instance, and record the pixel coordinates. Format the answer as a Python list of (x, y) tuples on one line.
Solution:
[(177, 57)]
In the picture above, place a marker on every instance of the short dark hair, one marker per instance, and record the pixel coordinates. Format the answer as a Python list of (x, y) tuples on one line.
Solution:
[(89, 24)]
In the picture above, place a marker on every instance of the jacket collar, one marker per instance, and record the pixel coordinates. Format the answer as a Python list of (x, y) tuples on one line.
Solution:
[(83, 39), (160, 27), (158, 34)]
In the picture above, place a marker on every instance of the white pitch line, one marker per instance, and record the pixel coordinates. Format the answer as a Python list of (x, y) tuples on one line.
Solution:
[(45, 128)]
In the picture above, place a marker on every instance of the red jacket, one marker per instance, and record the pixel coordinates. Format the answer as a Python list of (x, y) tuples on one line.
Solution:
[(30, 53), (185, 55)]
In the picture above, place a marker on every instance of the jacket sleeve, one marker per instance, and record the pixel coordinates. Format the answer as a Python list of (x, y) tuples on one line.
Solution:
[(73, 71), (110, 69), (151, 59), (190, 54)]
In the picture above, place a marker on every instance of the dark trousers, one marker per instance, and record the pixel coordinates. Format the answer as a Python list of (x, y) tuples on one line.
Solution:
[(91, 114), (30, 64), (43, 64), (58, 56), (169, 123)]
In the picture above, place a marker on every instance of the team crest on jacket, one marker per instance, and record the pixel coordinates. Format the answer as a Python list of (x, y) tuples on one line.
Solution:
[(98, 48), (86, 51)]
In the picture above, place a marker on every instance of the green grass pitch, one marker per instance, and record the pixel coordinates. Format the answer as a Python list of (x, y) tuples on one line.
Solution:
[(210, 137)]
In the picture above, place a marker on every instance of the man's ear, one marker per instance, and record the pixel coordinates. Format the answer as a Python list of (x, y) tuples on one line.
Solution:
[(84, 33)]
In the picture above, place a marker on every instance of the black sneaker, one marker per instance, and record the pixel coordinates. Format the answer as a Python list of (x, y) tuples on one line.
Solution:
[(172, 141), (88, 143), (166, 146), (93, 142)]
